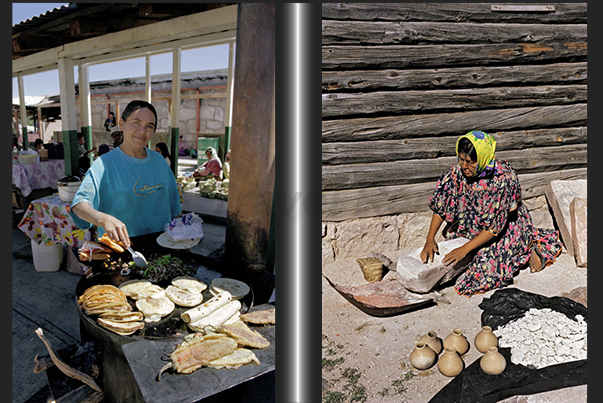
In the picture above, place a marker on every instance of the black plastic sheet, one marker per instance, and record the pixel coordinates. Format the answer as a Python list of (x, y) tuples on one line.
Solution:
[(473, 385)]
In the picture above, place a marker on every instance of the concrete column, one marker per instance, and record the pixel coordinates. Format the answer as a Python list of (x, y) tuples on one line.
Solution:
[(252, 167), (23, 110), (68, 115), (229, 88), (175, 109)]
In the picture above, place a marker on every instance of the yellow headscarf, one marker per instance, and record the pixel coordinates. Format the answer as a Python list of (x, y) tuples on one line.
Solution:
[(485, 147)]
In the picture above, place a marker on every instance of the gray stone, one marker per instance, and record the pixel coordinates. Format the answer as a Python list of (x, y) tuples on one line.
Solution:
[(560, 194), (357, 238), (578, 213), (328, 256), (423, 277)]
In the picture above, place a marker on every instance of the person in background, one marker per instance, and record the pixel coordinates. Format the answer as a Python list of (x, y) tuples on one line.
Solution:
[(117, 136), (81, 147), (38, 145), (212, 168), (110, 122), (162, 149), (182, 147), (226, 166), (129, 191)]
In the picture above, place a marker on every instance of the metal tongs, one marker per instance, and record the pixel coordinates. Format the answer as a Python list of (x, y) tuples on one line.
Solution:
[(138, 258)]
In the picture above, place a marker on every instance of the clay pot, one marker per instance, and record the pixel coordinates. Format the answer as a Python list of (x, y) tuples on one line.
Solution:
[(457, 341), (484, 339), (422, 357), (433, 341), (450, 363), (493, 362)]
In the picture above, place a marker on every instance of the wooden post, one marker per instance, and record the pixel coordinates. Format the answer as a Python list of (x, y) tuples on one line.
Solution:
[(252, 167), (68, 115)]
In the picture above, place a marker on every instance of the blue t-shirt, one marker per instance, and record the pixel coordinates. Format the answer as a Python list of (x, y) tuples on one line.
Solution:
[(142, 193)]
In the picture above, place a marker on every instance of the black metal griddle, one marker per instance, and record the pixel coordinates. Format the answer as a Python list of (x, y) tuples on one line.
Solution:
[(131, 363)]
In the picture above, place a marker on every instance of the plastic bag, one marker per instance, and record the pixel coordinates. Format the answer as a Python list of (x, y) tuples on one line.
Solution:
[(187, 227), (505, 305)]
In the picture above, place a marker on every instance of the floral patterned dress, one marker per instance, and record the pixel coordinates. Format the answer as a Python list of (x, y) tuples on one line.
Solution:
[(492, 204)]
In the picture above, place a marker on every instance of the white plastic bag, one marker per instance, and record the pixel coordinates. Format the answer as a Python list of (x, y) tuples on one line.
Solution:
[(187, 227)]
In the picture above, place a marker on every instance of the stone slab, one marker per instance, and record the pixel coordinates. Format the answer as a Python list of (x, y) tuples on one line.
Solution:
[(423, 277), (578, 213), (560, 194)]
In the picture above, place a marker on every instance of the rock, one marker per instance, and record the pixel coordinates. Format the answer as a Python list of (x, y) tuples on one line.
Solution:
[(423, 277), (360, 237), (577, 294), (327, 253), (578, 214), (560, 194)]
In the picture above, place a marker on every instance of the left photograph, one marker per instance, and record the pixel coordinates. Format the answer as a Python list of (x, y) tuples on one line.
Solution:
[(143, 169)]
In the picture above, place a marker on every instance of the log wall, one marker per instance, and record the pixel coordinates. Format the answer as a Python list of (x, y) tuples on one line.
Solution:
[(401, 82)]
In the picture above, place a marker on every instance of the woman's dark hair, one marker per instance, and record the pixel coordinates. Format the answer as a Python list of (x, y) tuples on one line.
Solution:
[(38, 141), (164, 149), (138, 104), (465, 146)]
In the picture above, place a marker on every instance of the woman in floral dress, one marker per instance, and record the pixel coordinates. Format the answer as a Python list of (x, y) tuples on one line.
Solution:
[(480, 199)]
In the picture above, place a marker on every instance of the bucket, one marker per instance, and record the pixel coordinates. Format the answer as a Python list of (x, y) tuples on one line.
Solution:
[(46, 258), (68, 186)]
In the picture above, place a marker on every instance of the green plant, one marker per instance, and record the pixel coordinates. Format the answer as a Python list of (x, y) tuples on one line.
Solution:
[(398, 384), (334, 397), (384, 392), (327, 363)]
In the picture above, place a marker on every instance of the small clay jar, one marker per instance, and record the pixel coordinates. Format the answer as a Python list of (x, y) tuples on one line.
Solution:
[(422, 357), (450, 363), (484, 339), (493, 362), (457, 341), (433, 341)]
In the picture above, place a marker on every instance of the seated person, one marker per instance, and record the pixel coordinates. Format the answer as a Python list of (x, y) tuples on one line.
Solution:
[(212, 168), (182, 147), (226, 167), (81, 147), (38, 145)]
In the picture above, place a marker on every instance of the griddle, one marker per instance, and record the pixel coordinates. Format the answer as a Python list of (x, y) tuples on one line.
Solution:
[(146, 357)]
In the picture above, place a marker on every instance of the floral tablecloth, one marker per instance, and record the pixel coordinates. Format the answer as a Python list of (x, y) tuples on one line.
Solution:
[(39, 175), (49, 220)]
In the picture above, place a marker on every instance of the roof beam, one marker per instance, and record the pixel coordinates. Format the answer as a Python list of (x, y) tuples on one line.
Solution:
[(195, 27)]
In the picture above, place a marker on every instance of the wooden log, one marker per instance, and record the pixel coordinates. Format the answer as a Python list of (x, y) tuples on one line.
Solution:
[(423, 33), (454, 77), (354, 176), (357, 152), (344, 205), (409, 56), (574, 13), (401, 102), (456, 123)]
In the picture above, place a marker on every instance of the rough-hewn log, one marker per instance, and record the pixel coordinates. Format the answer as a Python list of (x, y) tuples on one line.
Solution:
[(391, 200), (423, 33), (429, 125), (410, 56), (401, 102), (452, 12), (454, 77), (359, 152), (354, 176)]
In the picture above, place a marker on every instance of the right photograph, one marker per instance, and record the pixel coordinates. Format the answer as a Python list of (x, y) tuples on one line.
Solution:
[(454, 202)]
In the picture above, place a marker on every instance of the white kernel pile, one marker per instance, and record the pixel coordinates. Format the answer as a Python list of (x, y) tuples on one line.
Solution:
[(544, 337)]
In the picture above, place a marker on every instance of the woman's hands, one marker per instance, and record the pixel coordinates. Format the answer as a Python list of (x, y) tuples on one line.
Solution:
[(455, 256), (114, 228), (429, 251)]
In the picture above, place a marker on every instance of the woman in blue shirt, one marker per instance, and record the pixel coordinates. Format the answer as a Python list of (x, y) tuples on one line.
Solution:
[(131, 190)]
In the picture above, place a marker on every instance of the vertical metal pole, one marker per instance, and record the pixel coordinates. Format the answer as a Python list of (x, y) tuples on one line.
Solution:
[(68, 115), (175, 109), (229, 89), (23, 112), (147, 82), (85, 108)]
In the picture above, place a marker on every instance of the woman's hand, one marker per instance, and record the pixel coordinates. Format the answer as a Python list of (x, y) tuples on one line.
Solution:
[(455, 256), (429, 251), (115, 229)]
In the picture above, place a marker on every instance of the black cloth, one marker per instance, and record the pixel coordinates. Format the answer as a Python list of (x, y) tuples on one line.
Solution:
[(474, 385)]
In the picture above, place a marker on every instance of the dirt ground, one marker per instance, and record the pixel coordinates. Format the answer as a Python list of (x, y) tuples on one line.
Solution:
[(366, 358)]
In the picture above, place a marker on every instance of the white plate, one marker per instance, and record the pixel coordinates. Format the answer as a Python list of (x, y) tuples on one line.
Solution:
[(165, 241)]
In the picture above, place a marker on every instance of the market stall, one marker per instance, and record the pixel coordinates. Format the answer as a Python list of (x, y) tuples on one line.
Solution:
[(37, 175)]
